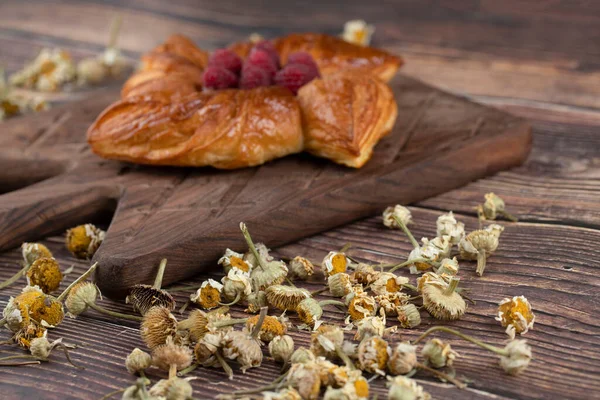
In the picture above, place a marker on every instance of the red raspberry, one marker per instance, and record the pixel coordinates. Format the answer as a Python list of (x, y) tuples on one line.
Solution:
[(227, 59), (261, 59), (219, 78), (304, 58), (267, 46), (294, 76), (254, 76)]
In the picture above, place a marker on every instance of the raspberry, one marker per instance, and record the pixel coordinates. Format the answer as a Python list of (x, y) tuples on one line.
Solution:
[(227, 59), (294, 76), (304, 58), (262, 59), (219, 78), (267, 46), (254, 76)]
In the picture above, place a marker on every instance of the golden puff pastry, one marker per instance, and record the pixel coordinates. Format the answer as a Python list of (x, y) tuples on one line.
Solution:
[(332, 54), (225, 129), (345, 115)]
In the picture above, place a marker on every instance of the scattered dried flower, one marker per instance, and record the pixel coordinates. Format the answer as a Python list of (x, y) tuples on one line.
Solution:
[(157, 326), (285, 297), (283, 394), (373, 355), (515, 315), (447, 225), (361, 306), (231, 259), (493, 207), (364, 274), (171, 357), (301, 268), (305, 378), (408, 316), (325, 341), (33, 251), (171, 389), (33, 330), (240, 346), (302, 355), (441, 299), (448, 267), (209, 294), (83, 240), (389, 302), (517, 357), (309, 311), (281, 348), (403, 359), (387, 282), (403, 388), (138, 361), (438, 354), (255, 301), (236, 285), (144, 297), (79, 298), (480, 244), (335, 263), (431, 252), (370, 326), (339, 284), (48, 72), (199, 323), (397, 212), (45, 274), (271, 327)]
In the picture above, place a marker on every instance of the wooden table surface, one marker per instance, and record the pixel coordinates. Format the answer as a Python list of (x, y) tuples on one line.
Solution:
[(538, 59)]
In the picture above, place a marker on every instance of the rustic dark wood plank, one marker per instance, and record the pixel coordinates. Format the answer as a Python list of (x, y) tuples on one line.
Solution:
[(548, 265)]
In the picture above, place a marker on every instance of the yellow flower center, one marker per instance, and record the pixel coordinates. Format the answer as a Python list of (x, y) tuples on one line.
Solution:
[(209, 297), (78, 241), (510, 310), (46, 274), (356, 314), (270, 325), (382, 354), (361, 387), (239, 263), (338, 263), (392, 286), (46, 309)]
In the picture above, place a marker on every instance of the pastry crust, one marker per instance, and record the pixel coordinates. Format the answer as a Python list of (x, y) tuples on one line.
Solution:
[(344, 115), (332, 54), (226, 129)]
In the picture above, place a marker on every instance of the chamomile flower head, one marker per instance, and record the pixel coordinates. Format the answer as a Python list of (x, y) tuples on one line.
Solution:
[(138, 361), (398, 211), (240, 346), (305, 379), (517, 358), (171, 389), (263, 252), (325, 340), (339, 284), (433, 251), (493, 207), (79, 298), (283, 394), (285, 297), (389, 302), (302, 355), (157, 326), (480, 244), (281, 348), (231, 260), (271, 327), (199, 323), (448, 267), (403, 388), (515, 315), (83, 240), (209, 294), (32, 330), (310, 312), (361, 306), (170, 355), (373, 355), (364, 274), (47, 311), (358, 32), (255, 301), (272, 273), (408, 315), (335, 263), (206, 348), (438, 354), (370, 326), (236, 285), (447, 225), (301, 268), (387, 282), (403, 359), (33, 251), (442, 301), (45, 273), (144, 297)]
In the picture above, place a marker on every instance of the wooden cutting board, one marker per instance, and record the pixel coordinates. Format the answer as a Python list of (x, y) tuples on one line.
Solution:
[(189, 216)]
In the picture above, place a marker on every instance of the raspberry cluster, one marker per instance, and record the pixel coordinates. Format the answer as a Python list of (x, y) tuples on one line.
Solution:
[(261, 68)]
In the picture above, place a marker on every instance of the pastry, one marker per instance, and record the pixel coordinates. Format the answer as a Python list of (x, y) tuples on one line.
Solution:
[(344, 115), (225, 129), (308, 92)]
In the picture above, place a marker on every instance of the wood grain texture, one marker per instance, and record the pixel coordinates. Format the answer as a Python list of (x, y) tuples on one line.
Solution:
[(537, 59), (156, 205)]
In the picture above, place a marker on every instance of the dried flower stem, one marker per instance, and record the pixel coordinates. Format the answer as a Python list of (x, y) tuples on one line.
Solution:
[(183, 288), (259, 323), (406, 231), (345, 247), (115, 27), (83, 277), (289, 282), (442, 375), (159, 275), (224, 365), (331, 302), (471, 339), (251, 246), (452, 286), (114, 313), (238, 296), (481, 262), (15, 277), (228, 322), (18, 364), (189, 369), (111, 394), (319, 291), (272, 385), (407, 263)]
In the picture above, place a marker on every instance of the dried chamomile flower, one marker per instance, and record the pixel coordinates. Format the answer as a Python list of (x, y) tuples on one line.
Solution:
[(285, 297), (271, 327), (359, 386), (41, 347), (361, 306), (45, 274), (281, 348), (430, 252), (283, 394), (447, 225), (137, 391), (47, 311), (33, 251), (236, 285), (442, 301), (138, 361), (157, 326), (480, 244), (80, 297), (83, 240), (517, 357), (389, 302), (171, 357), (387, 282), (364, 274), (171, 389), (370, 326), (397, 212), (263, 252), (48, 72), (515, 315), (302, 355), (493, 207), (255, 301), (199, 323), (305, 379), (403, 359), (16, 311), (310, 312), (339, 284), (408, 316), (231, 259), (301, 268), (144, 297), (325, 341), (335, 263), (271, 273), (206, 349), (403, 388), (332, 374), (33, 330), (448, 267), (438, 354), (358, 32), (373, 355), (244, 348), (209, 294)]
